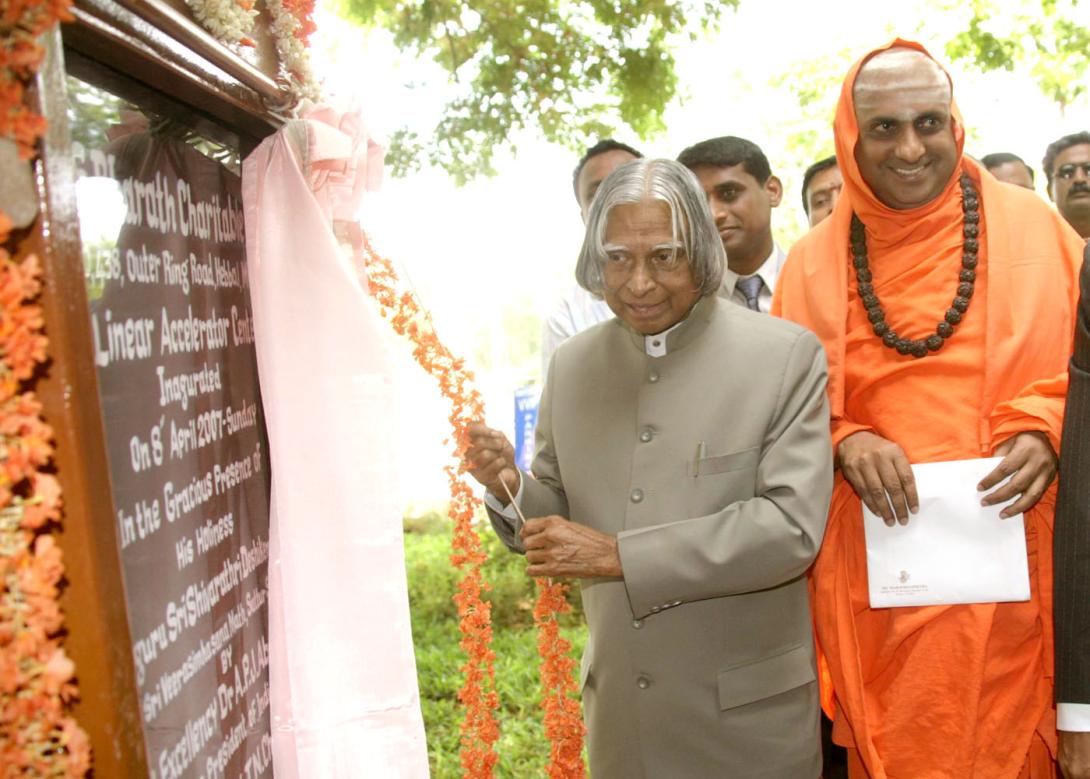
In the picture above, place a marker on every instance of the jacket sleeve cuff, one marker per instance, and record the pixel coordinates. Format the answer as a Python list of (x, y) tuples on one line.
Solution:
[(1073, 717), (641, 559)]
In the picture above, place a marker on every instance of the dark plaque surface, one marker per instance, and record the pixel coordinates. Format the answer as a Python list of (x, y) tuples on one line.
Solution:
[(164, 258)]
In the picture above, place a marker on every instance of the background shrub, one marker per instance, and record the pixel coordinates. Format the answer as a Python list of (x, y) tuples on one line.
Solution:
[(522, 747)]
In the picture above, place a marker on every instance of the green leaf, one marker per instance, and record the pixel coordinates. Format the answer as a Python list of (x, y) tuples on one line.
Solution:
[(574, 71)]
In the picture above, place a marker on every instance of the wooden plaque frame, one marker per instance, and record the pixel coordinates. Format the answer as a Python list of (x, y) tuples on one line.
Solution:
[(149, 51)]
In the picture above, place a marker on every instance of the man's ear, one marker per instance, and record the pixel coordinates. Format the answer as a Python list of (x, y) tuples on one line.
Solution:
[(1051, 189), (774, 188)]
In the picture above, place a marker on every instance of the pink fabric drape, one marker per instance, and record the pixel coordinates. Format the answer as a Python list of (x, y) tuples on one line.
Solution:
[(343, 677)]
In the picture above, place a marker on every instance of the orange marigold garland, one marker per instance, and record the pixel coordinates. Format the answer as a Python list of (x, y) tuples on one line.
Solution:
[(21, 22), (37, 735), (478, 694), (563, 721)]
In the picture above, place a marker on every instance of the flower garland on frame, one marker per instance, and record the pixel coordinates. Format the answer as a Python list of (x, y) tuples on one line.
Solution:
[(38, 737), (563, 721), (292, 26), (232, 22)]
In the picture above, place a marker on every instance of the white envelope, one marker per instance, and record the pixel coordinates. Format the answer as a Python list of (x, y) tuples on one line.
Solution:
[(954, 550)]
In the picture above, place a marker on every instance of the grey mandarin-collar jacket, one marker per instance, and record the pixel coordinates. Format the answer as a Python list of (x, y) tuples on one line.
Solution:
[(713, 466)]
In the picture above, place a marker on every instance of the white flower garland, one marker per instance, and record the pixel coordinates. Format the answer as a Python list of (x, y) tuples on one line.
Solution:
[(294, 56), (231, 21)]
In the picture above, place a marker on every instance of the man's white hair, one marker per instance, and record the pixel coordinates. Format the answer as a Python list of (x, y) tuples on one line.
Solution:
[(693, 227)]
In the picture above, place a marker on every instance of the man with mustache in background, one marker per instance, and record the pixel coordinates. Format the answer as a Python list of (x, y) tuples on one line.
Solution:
[(1067, 166)]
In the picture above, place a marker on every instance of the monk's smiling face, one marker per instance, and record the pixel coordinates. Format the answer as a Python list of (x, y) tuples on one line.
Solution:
[(906, 150)]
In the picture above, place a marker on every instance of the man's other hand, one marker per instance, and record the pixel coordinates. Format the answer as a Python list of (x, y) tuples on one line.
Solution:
[(880, 474), (1030, 461), (558, 547), (1074, 755), (490, 459)]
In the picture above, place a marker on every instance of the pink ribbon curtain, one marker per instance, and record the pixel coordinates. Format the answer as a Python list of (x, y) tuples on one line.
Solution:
[(343, 678)]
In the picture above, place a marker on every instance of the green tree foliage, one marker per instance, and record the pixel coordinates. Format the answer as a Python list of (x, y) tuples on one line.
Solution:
[(803, 134), (572, 70), (1049, 38), (815, 86)]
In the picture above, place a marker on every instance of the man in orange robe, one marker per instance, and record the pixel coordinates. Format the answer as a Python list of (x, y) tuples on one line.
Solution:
[(976, 305)]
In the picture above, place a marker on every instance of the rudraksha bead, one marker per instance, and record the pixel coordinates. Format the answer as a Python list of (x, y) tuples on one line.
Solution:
[(966, 277)]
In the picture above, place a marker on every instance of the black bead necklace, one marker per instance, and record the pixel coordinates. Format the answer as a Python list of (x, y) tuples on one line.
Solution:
[(920, 347)]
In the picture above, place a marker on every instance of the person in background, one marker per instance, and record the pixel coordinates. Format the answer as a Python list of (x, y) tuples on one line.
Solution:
[(946, 302), (1072, 551), (1067, 168), (1009, 168), (741, 192), (579, 309), (821, 185), (686, 490)]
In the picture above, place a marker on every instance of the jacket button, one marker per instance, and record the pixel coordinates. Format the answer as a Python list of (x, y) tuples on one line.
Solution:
[(637, 623), (636, 495), (643, 682), (653, 376), (646, 435)]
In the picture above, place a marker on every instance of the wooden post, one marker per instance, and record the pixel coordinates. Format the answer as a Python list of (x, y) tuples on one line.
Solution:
[(94, 601)]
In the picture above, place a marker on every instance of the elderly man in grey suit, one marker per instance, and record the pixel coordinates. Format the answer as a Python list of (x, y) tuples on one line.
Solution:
[(683, 472)]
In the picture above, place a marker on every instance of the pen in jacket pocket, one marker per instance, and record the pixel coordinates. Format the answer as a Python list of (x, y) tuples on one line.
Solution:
[(701, 453)]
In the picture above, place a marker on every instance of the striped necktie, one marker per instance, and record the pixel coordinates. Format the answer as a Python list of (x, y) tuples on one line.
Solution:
[(750, 287)]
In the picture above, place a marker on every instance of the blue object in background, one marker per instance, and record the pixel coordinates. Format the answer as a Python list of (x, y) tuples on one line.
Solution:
[(526, 400)]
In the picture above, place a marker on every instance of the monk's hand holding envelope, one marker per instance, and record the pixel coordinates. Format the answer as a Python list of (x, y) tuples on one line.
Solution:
[(880, 474), (1029, 461)]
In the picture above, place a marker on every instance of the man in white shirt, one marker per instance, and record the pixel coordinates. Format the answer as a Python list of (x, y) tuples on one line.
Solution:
[(579, 309), (741, 192)]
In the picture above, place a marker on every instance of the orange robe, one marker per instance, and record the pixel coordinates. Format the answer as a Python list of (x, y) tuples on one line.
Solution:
[(958, 691)]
